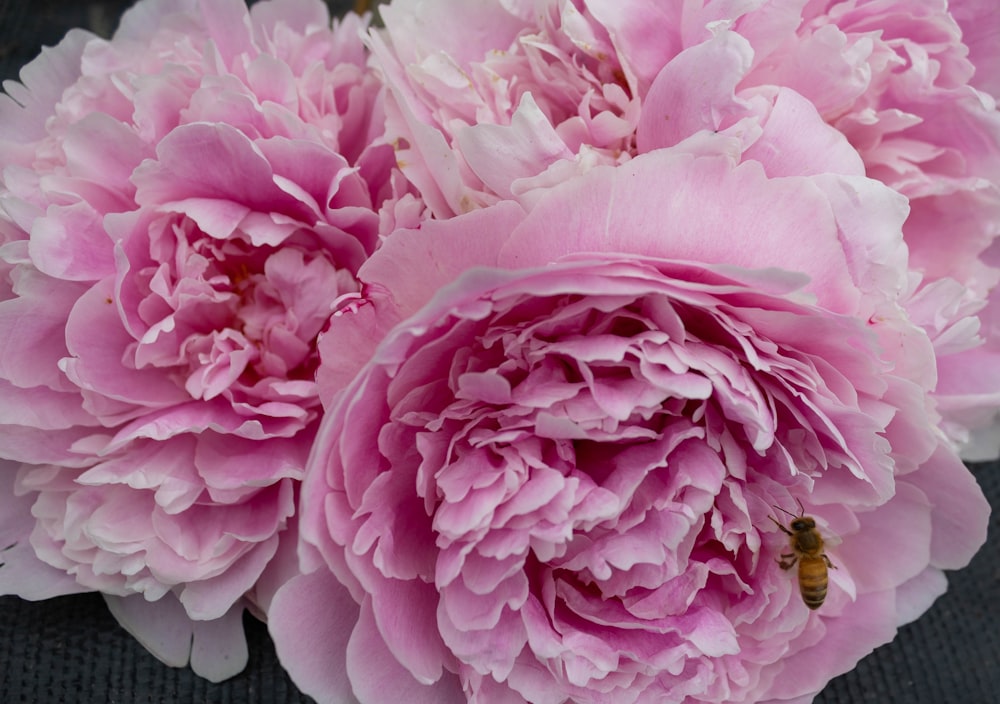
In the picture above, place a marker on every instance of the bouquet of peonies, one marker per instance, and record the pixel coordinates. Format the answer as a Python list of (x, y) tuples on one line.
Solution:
[(505, 351)]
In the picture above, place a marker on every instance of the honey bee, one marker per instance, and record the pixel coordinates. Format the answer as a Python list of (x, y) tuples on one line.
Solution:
[(807, 549)]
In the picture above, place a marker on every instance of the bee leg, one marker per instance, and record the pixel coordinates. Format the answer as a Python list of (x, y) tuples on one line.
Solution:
[(781, 527), (828, 563), (787, 565)]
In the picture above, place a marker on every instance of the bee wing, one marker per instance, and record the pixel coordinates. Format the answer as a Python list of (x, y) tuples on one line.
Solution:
[(831, 539)]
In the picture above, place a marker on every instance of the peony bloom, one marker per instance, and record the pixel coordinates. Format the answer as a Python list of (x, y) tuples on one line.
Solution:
[(180, 207), (552, 478), (896, 80), (526, 94)]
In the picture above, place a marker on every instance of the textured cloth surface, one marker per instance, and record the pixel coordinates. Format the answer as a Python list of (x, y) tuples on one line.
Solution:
[(71, 650)]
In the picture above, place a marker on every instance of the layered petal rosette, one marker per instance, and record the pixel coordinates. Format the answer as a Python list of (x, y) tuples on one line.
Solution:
[(180, 208), (528, 93), (552, 479), (895, 78)]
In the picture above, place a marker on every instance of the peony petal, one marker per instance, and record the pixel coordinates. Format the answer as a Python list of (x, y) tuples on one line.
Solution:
[(31, 330), (479, 23), (216, 650), (281, 569), (311, 619), (25, 105), (22, 573), (681, 103), (162, 627), (300, 15), (501, 154), (915, 596), (635, 27), (228, 24), (104, 151), (96, 361), (219, 647), (227, 462), (231, 170), (377, 676), (848, 638), (212, 598), (70, 243), (793, 132), (904, 521), (981, 33), (472, 240), (42, 408), (960, 514), (770, 215), (405, 612)]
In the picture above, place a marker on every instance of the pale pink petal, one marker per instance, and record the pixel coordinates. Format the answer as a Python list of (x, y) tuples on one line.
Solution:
[(31, 330), (301, 15), (500, 155), (41, 407), (24, 105), (162, 627), (70, 243), (141, 20), (679, 104), (219, 646), (211, 598), (846, 640), (311, 619), (904, 521), (228, 24), (478, 22), (97, 359), (475, 241), (216, 650), (792, 134), (658, 228), (376, 675), (405, 635), (915, 596), (960, 512), (22, 573), (635, 27), (282, 568)]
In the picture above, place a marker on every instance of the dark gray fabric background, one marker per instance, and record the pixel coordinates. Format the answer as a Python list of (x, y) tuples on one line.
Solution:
[(71, 650)]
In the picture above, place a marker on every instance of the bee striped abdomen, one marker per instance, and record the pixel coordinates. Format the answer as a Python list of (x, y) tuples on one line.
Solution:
[(813, 581), (807, 549)]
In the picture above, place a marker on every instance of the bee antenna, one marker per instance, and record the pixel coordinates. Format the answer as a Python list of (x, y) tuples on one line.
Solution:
[(784, 511), (802, 510)]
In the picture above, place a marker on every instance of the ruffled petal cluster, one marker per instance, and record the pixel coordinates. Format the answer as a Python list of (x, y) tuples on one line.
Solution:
[(531, 93), (180, 208), (554, 477)]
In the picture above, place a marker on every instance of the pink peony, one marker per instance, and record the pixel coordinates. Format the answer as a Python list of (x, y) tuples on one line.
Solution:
[(551, 479), (494, 99), (180, 207), (894, 78)]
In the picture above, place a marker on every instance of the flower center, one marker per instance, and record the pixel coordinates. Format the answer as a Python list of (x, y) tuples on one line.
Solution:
[(235, 319)]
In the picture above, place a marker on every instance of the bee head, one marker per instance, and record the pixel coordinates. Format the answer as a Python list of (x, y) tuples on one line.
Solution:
[(803, 523)]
